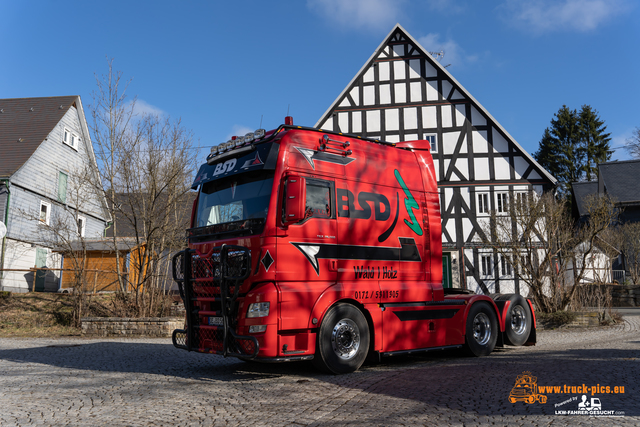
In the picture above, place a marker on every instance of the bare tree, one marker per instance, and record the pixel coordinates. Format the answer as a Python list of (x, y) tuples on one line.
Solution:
[(630, 233), (549, 253), (147, 163), (632, 145)]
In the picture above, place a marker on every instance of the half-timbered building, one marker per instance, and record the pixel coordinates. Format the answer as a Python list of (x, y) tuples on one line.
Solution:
[(403, 93)]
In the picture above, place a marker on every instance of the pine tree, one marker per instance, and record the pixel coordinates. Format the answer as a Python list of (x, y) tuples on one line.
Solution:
[(594, 142), (574, 144)]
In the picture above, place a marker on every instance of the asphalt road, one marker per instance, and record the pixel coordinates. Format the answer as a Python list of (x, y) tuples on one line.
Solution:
[(147, 382)]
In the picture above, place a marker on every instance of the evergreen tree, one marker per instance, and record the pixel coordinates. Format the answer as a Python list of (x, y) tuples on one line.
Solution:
[(594, 142), (574, 144)]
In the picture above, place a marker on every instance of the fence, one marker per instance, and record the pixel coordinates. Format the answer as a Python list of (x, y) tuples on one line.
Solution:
[(618, 276)]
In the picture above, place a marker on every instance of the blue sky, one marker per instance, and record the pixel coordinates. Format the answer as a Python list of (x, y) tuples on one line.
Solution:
[(221, 66)]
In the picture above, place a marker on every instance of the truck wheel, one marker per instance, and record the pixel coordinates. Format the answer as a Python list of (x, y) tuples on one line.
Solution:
[(517, 322), (482, 330), (542, 399), (342, 341)]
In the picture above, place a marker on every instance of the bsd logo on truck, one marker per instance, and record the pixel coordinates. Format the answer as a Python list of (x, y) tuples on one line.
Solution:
[(224, 167)]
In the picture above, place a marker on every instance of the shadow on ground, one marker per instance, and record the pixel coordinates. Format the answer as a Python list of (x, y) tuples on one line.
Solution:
[(443, 380)]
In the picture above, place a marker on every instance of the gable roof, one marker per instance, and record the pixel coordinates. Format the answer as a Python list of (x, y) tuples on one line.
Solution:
[(621, 180), (386, 51), (24, 124), (580, 192)]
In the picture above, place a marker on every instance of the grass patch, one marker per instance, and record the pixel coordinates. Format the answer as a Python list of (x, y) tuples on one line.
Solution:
[(42, 314)]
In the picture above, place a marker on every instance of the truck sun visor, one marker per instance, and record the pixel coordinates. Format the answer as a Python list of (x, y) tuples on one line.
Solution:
[(262, 157)]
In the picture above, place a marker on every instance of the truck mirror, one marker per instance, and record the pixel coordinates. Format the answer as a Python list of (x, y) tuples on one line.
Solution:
[(295, 199)]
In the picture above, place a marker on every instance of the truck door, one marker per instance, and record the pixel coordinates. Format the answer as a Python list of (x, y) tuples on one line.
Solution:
[(307, 262)]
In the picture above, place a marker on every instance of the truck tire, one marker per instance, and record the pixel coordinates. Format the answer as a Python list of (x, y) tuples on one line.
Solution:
[(342, 341), (517, 321), (482, 330)]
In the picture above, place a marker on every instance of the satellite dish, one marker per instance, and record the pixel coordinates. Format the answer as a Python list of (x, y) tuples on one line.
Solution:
[(3, 230)]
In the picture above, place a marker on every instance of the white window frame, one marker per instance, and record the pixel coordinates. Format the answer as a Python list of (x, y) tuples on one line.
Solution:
[(81, 228), (47, 216), (433, 143), (502, 201), (521, 196), (483, 203), (486, 265), (70, 138), (506, 266)]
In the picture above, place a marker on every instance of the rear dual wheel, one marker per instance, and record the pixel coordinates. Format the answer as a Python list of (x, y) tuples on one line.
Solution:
[(518, 319), (342, 341)]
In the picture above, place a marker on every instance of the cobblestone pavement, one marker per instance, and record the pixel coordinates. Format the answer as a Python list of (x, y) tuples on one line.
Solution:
[(147, 382)]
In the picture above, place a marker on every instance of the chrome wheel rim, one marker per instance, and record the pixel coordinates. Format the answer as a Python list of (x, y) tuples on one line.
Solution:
[(481, 328), (518, 320), (345, 339)]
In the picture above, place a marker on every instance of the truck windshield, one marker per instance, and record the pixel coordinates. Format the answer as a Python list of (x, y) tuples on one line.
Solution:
[(241, 197)]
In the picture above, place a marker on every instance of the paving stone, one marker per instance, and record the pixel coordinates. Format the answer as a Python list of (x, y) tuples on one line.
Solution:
[(147, 382)]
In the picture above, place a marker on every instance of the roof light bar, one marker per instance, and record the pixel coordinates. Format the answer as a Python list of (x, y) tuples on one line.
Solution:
[(236, 142)]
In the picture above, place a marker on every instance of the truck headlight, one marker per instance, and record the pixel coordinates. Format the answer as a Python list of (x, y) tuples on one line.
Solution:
[(254, 329), (258, 309)]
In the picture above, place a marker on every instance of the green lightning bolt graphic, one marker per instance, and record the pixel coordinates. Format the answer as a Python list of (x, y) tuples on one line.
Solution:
[(409, 204)]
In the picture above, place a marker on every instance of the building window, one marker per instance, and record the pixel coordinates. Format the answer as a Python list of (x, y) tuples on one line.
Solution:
[(502, 202), (70, 138), (522, 202), (526, 264), (62, 187), (505, 265), (82, 221), (45, 212), (483, 203), (432, 142), (485, 265)]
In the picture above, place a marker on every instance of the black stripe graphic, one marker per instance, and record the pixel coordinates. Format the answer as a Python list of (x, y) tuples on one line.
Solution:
[(426, 314), (408, 251)]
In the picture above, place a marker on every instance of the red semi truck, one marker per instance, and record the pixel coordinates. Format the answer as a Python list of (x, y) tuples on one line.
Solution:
[(308, 244)]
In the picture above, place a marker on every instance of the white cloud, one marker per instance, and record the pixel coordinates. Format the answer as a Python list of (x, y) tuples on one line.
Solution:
[(542, 16), (453, 53), (239, 130), (360, 13), (142, 108)]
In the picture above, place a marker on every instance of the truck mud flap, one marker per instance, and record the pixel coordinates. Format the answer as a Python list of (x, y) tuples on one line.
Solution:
[(216, 278)]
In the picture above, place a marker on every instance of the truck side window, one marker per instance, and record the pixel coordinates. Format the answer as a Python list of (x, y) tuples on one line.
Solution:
[(319, 203)]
